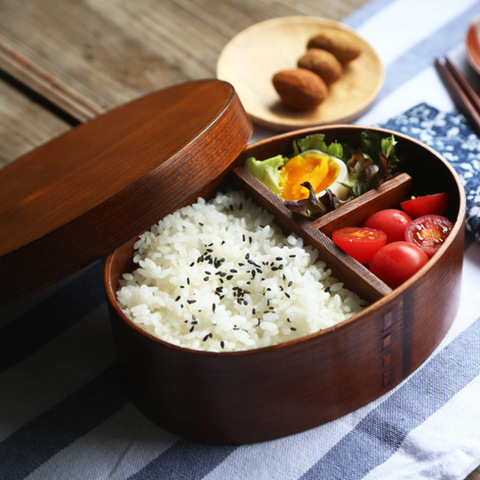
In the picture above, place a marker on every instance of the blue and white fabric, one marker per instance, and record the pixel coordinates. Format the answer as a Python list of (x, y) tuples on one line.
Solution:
[(65, 416)]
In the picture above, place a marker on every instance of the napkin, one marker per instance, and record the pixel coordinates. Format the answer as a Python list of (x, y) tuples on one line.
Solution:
[(449, 134)]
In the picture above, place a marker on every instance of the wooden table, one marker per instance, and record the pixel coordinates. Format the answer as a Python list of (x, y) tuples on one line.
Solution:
[(65, 62), (62, 63)]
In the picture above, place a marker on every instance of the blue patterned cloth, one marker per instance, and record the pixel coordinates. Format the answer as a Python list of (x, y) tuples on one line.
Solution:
[(450, 135)]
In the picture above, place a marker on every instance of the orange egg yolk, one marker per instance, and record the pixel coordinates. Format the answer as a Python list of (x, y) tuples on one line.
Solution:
[(320, 170)]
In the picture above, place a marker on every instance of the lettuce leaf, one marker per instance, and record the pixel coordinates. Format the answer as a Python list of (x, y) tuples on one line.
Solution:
[(267, 171), (316, 141)]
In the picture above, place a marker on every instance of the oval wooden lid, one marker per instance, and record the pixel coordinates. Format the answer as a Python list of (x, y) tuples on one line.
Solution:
[(78, 197)]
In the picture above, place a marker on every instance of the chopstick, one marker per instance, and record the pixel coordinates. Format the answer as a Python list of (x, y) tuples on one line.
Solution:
[(462, 93)]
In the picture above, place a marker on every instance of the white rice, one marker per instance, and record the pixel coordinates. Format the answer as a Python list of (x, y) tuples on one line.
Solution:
[(220, 276)]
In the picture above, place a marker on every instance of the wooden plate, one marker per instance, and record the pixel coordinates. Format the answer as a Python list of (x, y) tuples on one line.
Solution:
[(251, 58), (473, 44)]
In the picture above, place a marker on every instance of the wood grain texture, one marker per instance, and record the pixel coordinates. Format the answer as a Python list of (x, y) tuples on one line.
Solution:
[(87, 57), (81, 195), (24, 123), (277, 45), (217, 397)]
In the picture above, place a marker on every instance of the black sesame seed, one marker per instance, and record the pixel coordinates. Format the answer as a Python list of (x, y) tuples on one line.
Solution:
[(229, 277), (178, 298), (287, 295), (290, 283), (247, 256), (206, 337), (293, 329), (213, 307), (222, 344), (326, 289), (192, 264), (191, 301), (191, 329)]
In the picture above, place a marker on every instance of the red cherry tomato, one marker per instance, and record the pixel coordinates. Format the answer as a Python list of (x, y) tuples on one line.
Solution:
[(391, 221), (396, 262), (429, 232), (435, 204), (359, 242)]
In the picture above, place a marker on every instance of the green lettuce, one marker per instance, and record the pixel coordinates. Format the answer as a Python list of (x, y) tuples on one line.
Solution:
[(267, 171), (316, 141)]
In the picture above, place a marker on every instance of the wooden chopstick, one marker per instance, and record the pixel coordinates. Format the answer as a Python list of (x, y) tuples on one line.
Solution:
[(462, 93)]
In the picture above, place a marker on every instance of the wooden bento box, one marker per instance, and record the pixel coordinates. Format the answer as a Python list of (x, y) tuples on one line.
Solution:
[(188, 142)]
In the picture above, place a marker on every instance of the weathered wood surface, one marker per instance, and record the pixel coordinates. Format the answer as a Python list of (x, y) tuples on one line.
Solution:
[(89, 56)]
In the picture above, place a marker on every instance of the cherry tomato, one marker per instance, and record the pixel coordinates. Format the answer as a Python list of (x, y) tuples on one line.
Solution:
[(429, 232), (391, 221), (360, 242), (396, 262), (435, 204)]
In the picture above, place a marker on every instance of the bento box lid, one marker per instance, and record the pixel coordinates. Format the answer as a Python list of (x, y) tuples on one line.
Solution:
[(78, 197)]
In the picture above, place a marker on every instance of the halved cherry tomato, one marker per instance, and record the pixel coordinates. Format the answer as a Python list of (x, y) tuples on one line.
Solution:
[(429, 232), (391, 221), (360, 242), (396, 262), (435, 204)]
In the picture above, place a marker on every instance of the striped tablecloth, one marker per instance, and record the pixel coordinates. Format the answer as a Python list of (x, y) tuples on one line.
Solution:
[(64, 414)]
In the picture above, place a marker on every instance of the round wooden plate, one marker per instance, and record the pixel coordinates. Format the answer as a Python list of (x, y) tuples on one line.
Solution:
[(252, 57), (473, 44)]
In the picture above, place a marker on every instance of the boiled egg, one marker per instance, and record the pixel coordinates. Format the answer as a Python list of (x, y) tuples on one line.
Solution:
[(321, 170)]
